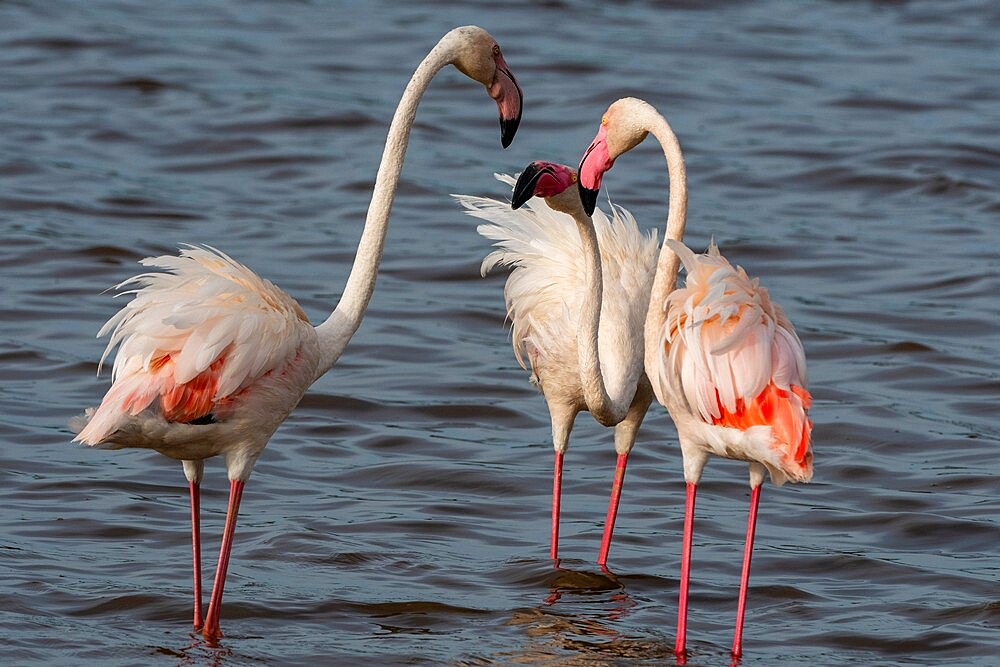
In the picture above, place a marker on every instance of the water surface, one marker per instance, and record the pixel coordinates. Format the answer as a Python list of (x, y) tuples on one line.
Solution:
[(846, 153)]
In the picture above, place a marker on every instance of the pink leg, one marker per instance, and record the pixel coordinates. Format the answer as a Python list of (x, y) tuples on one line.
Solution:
[(196, 549), (745, 578), (682, 604), (609, 522), (556, 493), (211, 628)]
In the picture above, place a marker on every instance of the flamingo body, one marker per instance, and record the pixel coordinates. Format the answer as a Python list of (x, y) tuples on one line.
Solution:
[(732, 370), (548, 295), (211, 360), (546, 290)]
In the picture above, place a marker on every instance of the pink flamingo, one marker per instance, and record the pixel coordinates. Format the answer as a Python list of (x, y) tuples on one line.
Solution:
[(576, 328), (721, 357), (213, 358)]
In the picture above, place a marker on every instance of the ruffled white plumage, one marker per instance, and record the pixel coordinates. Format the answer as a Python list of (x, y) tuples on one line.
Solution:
[(201, 307), (547, 286)]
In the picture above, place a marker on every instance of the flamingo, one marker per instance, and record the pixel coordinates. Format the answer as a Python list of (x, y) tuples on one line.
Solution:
[(722, 358), (212, 358), (575, 328)]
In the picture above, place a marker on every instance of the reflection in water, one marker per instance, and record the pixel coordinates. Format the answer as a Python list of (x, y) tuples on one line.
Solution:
[(198, 652), (559, 638), (586, 583), (577, 618)]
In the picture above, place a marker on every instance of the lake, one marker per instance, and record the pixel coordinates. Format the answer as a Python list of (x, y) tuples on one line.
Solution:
[(845, 153)]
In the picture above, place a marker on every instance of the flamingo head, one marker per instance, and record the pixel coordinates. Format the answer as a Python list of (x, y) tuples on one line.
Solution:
[(478, 56), (619, 133), (552, 181)]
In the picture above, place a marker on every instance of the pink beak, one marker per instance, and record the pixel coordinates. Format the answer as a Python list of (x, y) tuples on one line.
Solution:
[(594, 163), (509, 98)]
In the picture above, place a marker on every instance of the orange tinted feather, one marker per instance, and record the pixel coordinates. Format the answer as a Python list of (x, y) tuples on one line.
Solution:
[(178, 402), (193, 399), (784, 411)]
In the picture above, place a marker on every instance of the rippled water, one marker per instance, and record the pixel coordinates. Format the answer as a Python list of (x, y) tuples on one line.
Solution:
[(847, 153)]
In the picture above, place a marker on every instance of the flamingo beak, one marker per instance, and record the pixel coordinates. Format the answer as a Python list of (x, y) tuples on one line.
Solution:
[(594, 163), (589, 199), (524, 189), (508, 128), (509, 98)]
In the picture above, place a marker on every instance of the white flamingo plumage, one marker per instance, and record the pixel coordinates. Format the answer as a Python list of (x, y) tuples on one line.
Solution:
[(576, 297), (212, 358), (721, 357)]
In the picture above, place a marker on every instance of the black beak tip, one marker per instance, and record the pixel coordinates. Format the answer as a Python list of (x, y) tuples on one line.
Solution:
[(589, 199), (524, 189), (508, 128)]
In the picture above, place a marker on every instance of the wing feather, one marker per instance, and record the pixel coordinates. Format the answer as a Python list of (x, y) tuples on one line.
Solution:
[(195, 332), (734, 356)]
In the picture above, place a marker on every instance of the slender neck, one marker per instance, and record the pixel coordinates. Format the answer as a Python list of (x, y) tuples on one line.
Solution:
[(341, 325), (668, 263), (595, 392)]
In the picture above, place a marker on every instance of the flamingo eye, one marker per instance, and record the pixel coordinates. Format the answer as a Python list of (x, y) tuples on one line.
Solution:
[(604, 119), (572, 177), (496, 49)]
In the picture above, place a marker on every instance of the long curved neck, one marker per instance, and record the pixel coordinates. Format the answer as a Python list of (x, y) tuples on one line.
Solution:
[(339, 328), (668, 263), (595, 393)]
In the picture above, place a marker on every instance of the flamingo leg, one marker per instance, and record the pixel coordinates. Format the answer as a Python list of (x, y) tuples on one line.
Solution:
[(745, 578), (609, 522), (682, 604), (556, 494), (196, 551), (211, 628)]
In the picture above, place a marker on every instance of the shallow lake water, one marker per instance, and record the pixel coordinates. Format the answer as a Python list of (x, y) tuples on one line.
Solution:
[(846, 153)]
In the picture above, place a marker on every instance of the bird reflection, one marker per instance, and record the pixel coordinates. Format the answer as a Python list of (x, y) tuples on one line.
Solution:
[(578, 616), (590, 584), (199, 651)]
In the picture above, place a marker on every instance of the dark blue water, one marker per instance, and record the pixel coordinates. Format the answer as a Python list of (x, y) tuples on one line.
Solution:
[(846, 153)]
